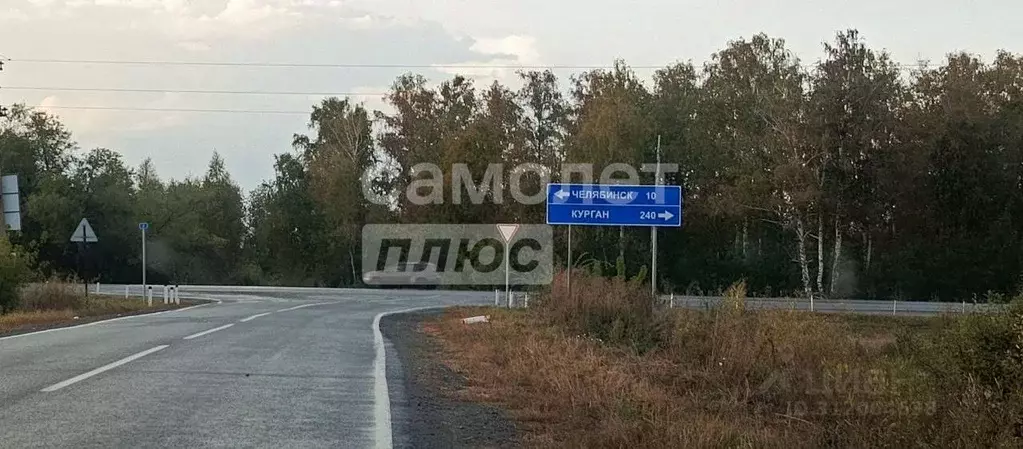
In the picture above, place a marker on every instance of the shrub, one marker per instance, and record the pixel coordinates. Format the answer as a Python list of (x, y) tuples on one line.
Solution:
[(53, 294), (974, 370), (616, 310), (13, 273)]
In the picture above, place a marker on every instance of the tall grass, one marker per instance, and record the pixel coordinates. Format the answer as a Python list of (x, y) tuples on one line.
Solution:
[(600, 368), (54, 294)]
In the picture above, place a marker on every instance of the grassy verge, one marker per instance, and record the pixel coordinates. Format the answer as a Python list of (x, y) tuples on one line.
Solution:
[(57, 303), (603, 370)]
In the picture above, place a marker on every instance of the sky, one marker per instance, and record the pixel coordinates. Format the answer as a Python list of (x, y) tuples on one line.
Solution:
[(407, 36)]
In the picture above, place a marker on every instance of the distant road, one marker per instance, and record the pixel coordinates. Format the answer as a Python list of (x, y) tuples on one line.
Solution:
[(267, 367), (859, 306)]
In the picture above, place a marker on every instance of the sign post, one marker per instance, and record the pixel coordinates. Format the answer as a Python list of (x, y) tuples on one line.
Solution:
[(507, 232), (614, 205), (571, 263), (10, 209), (143, 227), (83, 234)]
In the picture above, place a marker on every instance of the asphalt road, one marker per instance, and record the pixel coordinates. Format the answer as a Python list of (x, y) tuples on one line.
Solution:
[(265, 367), (259, 367)]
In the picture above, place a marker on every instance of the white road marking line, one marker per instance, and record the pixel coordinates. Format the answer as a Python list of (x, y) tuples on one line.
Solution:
[(102, 369), (93, 323), (207, 332), (301, 307), (246, 320), (381, 396)]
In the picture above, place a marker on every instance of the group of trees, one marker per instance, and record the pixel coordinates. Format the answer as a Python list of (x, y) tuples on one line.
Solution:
[(198, 225), (852, 176)]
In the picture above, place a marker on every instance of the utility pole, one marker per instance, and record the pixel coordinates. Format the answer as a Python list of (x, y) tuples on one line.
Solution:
[(3, 221), (653, 229)]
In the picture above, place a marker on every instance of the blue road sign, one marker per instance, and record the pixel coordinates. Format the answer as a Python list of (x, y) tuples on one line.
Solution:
[(143, 226), (614, 205)]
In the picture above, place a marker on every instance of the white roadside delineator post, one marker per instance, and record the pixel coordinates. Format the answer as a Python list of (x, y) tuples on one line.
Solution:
[(125, 292), (166, 297), (149, 295), (497, 298), (527, 301), (177, 297)]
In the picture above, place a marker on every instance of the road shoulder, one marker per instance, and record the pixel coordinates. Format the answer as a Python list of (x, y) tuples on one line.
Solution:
[(78, 321), (424, 408)]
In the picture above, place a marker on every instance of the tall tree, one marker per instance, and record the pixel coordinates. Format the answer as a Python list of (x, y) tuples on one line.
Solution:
[(854, 117), (339, 159)]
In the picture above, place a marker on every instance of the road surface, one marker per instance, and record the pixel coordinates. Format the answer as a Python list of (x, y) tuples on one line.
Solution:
[(267, 368), (261, 367)]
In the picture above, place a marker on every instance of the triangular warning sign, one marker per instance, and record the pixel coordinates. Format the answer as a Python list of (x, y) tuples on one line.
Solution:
[(84, 233), (508, 231)]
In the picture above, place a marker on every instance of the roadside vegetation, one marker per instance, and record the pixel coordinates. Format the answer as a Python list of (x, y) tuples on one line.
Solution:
[(847, 173), (603, 369), (26, 305)]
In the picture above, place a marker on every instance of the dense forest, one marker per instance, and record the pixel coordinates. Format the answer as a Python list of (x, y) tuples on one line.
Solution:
[(852, 176)]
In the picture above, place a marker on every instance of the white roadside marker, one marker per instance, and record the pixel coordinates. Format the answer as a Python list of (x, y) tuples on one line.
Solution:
[(207, 332), (102, 369)]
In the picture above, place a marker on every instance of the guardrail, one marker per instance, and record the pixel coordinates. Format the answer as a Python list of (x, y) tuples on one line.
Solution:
[(863, 306)]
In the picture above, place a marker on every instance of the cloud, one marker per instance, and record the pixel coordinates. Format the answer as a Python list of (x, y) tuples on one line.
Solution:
[(508, 52), (194, 46), (180, 142), (12, 14)]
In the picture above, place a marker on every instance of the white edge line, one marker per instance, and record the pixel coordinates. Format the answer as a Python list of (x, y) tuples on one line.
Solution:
[(247, 319), (381, 396), (302, 306), (102, 369), (210, 331), (93, 323)]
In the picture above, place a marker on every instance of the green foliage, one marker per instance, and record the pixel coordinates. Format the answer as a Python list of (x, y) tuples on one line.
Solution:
[(843, 179), (620, 267), (14, 271), (640, 276)]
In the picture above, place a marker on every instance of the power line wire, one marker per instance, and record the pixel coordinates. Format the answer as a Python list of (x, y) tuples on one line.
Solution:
[(191, 91), (319, 65), (358, 65), (133, 109)]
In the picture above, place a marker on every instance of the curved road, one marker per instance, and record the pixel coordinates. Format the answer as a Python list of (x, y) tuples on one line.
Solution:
[(262, 368), (266, 367)]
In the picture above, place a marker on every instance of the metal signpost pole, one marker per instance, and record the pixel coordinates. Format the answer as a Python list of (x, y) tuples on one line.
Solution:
[(3, 215), (570, 262), (81, 263), (653, 229), (507, 272), (144, 226), (507, 232), (614, 205)]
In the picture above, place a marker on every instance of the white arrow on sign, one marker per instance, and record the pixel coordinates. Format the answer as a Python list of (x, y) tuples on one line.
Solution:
[(665, 215), (508, 231), (562, 194), (84, 233)]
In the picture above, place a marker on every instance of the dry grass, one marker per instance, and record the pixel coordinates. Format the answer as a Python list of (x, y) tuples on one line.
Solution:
[(51, 295), (56, 302), (600, 370)]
